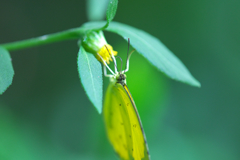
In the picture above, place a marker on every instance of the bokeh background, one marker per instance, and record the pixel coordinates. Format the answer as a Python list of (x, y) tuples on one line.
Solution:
[(46, 115)]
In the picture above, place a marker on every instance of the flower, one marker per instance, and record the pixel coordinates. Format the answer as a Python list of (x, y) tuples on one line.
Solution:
[(95, 42), (105, 52)]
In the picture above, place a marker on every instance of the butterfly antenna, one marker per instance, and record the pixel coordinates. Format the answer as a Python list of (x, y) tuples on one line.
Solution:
[(121, 62), (113, 58)]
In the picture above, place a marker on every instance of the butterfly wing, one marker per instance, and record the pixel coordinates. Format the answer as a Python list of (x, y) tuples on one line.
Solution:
[(123, 124), (139, 139)]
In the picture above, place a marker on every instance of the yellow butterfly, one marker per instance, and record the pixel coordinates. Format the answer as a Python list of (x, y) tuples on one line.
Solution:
[(122, 121)]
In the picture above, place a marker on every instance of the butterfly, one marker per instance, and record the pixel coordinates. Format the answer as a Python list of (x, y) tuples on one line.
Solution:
[(122, 121)]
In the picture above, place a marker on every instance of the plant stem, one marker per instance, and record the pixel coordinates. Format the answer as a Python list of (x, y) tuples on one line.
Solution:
[(74, 33)]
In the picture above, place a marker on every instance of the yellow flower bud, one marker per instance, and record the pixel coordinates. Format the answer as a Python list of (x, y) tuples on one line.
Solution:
[(105, 52), (95, 42)]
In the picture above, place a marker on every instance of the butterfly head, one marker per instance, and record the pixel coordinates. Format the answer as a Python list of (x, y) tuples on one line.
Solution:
[(121, 78)]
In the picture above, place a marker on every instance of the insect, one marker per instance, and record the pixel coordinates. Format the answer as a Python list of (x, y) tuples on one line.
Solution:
[(122, 121)]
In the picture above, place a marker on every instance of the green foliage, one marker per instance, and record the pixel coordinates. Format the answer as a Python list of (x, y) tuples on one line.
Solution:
[(89, 68), (111, 10), (95, 10), (47, 115), (155, 52), (6, 70), (90, 72), (152, 49)]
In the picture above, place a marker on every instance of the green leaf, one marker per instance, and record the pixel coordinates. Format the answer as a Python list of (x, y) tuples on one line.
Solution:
[(90, 71), (96, 11), (111, 10), (6, 70), (152, 49)]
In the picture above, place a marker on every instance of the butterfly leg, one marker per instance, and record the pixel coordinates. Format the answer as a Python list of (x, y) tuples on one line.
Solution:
[(105, 71), (114, 60), (104, 67)]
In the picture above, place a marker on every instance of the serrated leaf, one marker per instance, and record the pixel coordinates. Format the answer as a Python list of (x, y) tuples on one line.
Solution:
[(6, 70), (90, 71), (111, 10), (96, 10), (152, 49)]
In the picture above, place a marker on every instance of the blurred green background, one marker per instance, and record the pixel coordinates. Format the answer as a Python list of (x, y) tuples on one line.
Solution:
[(46, 115)]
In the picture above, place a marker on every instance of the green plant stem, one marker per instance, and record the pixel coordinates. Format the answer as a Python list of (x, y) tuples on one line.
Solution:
[(74, 33)]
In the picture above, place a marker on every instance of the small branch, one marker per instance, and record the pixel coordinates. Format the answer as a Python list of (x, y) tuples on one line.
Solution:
[(74, 33)]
